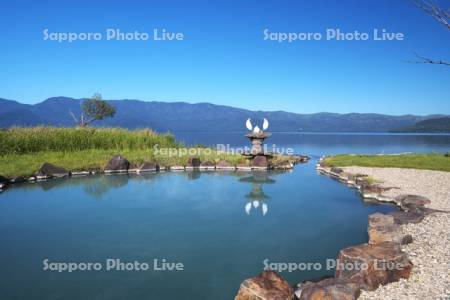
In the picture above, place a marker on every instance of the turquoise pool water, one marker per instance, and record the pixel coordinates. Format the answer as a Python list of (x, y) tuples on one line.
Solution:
[(220, 226), (209, 222)]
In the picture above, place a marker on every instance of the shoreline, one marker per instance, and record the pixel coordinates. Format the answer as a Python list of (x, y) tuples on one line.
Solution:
[(118, 164), (430, 234), (416, 239), (429, 250)]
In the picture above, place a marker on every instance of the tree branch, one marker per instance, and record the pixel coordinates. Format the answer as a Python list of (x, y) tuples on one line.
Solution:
[(433, 10), (424, 60), (73, 116)]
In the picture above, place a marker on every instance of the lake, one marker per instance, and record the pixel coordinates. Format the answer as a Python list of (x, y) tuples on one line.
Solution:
[(221, 226)]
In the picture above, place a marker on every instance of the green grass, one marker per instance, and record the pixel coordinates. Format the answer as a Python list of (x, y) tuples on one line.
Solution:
[(24, 150), (26, 164), (430, 161), (42, 139)]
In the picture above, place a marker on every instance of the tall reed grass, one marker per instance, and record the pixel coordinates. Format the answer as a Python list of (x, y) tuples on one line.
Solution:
[(39, 139)]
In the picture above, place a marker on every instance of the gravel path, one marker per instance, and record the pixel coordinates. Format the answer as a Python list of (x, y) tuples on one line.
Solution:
[(430, 251)]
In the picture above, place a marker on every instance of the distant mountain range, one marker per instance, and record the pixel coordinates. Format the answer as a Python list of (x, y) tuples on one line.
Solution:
[(430, 125), (182, 116)]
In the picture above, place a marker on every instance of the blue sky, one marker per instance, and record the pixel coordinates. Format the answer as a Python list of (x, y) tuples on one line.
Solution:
[(224, 59)]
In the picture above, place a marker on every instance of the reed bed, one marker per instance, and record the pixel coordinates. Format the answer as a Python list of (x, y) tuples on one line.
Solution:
[(24, 150), (44, 139)]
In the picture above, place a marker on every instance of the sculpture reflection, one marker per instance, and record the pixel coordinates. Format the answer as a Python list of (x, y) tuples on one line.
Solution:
[(256, 198)]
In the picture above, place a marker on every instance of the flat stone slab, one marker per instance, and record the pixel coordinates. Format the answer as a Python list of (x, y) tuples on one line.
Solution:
[(244, 168), (207, 168), (80, 173), (207, 165), (177, 168), (232, 168)]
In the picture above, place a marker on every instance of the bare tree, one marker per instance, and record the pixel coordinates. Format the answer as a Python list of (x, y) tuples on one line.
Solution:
[(439, 14)]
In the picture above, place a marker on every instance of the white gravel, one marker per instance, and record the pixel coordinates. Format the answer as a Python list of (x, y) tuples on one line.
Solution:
[(430, 250)]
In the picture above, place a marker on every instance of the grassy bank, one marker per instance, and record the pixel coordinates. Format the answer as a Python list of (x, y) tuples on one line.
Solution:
[(24, 150), (26, 164), (43, 139), (430, 161)]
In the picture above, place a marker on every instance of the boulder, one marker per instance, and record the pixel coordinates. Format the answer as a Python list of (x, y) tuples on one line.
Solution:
[(148, 167), (193, 162), (223, 164), (80, 173), (370, 265), (382, 228), (329, 289), (48, 170), (405, 200), (260, 161), (266, 286), (117, 163)]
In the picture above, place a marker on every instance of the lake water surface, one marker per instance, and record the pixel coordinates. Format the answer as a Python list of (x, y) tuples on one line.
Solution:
[(220, 225)]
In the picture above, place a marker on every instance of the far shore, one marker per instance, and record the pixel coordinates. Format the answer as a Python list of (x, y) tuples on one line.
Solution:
[(424, 161)]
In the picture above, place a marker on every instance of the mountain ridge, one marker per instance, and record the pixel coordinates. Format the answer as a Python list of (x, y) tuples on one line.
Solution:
[(437, 125), (203, 116)]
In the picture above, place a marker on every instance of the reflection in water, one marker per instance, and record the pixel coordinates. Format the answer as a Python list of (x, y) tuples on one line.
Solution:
[(100, 186), (193, 175), (95, 186), (257, 198)]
